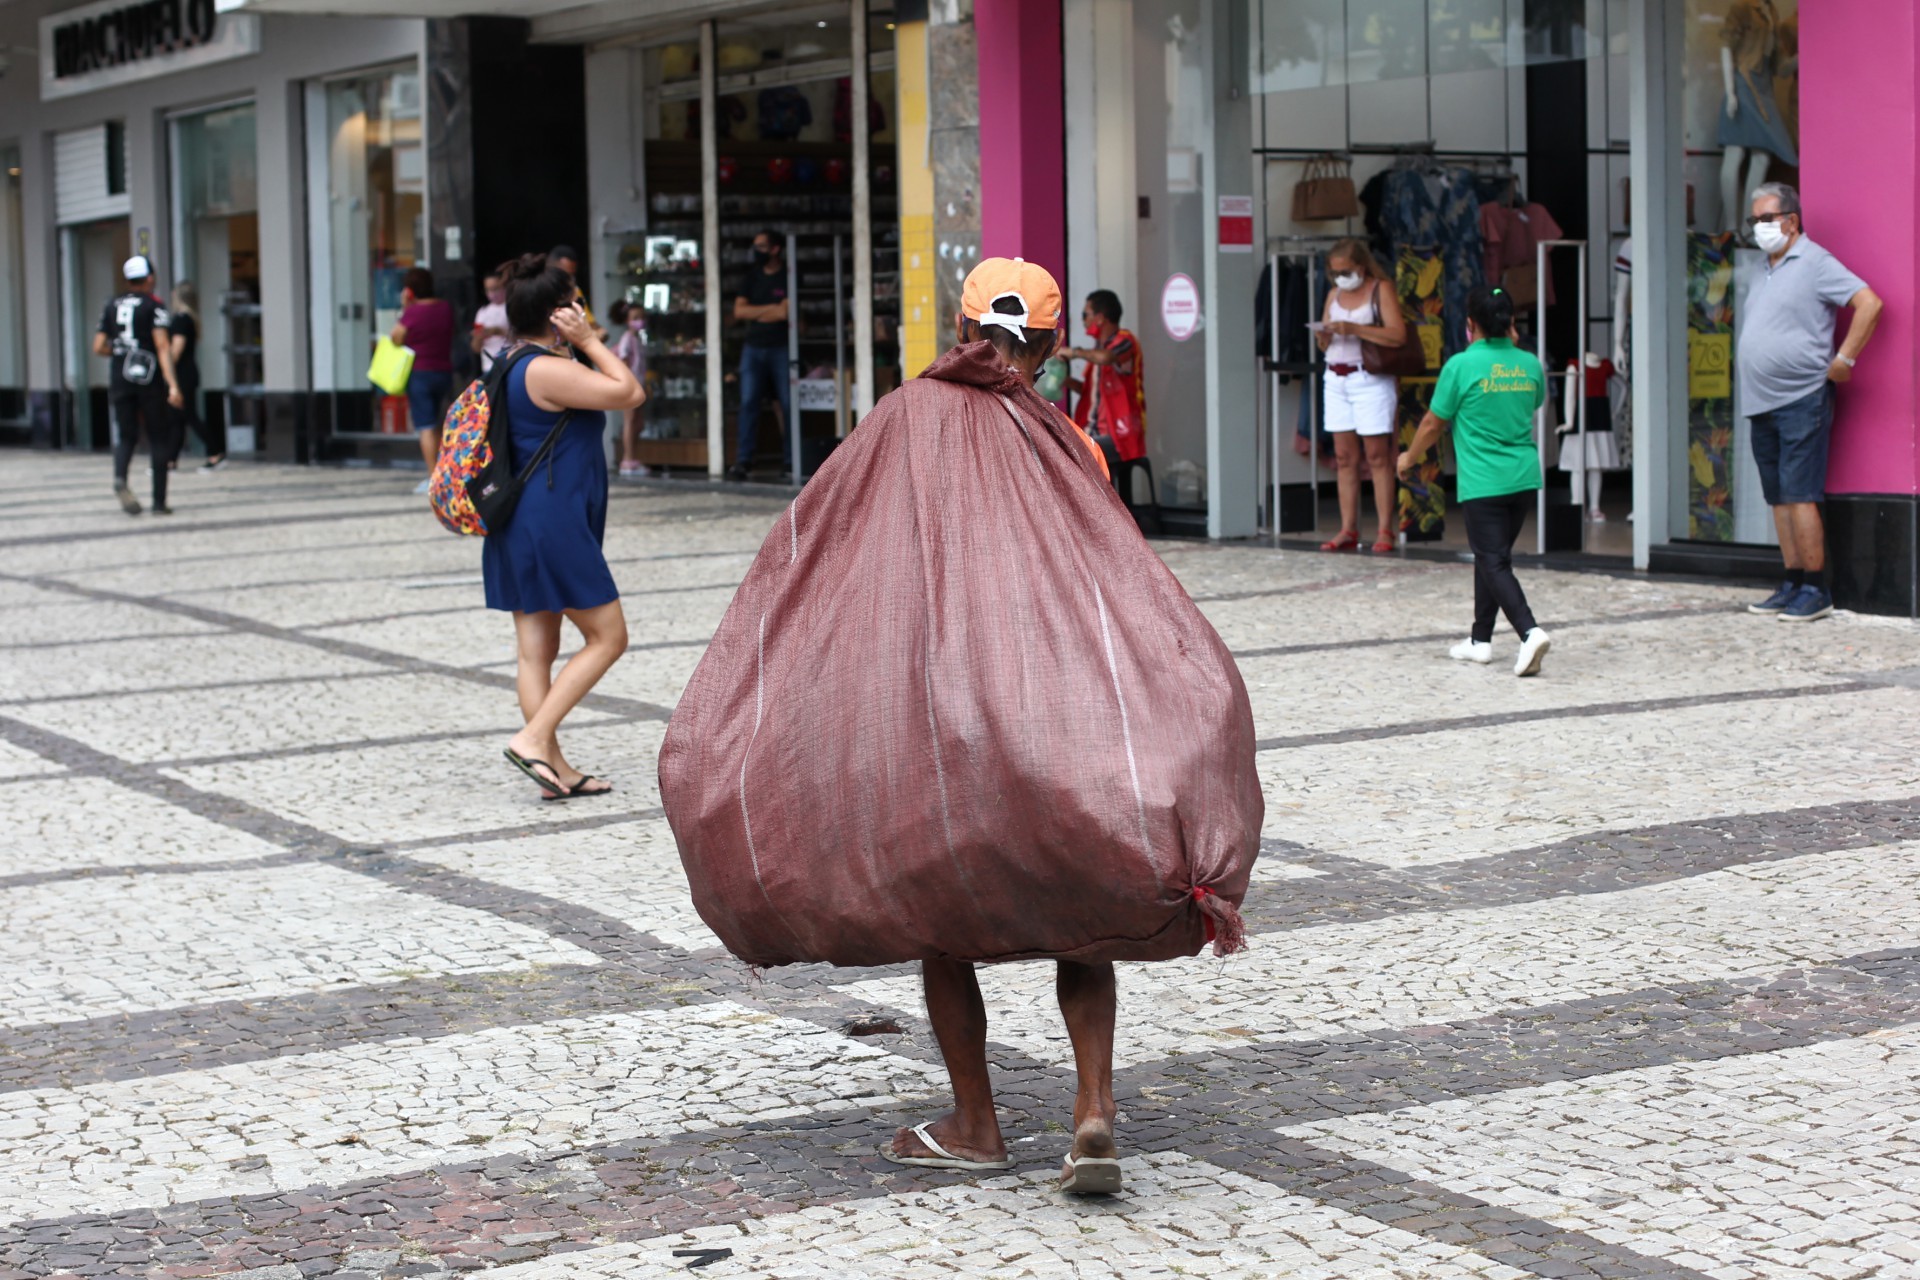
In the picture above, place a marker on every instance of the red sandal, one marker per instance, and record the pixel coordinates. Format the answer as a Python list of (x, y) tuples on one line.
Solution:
[(1384, 544), (1349, 540)]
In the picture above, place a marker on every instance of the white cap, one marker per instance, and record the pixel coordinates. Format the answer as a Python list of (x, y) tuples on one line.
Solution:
[(136, 268)]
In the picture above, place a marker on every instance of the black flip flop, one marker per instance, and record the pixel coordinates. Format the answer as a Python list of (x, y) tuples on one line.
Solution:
[(554, 790), (585, 778)]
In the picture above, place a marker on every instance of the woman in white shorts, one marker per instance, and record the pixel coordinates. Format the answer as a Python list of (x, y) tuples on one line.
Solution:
[(1361, 406)]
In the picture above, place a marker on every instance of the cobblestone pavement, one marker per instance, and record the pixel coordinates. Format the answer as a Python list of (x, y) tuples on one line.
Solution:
[(1615, 972)]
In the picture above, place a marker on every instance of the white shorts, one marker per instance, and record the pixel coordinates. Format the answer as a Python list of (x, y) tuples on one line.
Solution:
[(1363, 402)]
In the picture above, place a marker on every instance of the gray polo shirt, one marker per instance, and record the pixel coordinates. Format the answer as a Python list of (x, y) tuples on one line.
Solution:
[(1786, 335)]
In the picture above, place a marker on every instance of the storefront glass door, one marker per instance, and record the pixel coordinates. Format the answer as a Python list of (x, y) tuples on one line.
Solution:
[(216, 239), (91, 254), (13, 292), (371, 164)]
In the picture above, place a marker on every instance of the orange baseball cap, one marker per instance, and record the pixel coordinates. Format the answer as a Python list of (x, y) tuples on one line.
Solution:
[(997, 278)]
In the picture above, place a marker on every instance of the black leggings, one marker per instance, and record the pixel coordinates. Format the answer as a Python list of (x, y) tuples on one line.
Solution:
[(212, 435), (1492, 526), (132, 409)]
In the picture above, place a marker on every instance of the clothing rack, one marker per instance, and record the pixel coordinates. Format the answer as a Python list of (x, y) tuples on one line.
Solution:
[(1293, 248)]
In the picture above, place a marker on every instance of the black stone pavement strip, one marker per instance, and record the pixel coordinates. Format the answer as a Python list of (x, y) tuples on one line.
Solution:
[(145, 527), (470, 606), (82, 641), (372, 744), (653, 974), (1578, 711), (209, 687), (1600, 862), (1443, 637), (1222, 1107), (633, 707), (228, 811)]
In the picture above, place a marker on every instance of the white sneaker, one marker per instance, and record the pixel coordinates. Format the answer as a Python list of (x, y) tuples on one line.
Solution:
[(1471, 650), (1532, 649), (425, 486)]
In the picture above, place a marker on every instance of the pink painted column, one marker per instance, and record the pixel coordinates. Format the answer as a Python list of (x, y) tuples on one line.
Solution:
[(1860, 184), (1023, 171)]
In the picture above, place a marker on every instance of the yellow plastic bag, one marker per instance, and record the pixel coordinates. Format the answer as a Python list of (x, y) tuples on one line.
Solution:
[(392, 366)]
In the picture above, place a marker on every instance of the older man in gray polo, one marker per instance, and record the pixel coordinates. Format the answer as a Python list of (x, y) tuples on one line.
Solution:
[(1788, 367)]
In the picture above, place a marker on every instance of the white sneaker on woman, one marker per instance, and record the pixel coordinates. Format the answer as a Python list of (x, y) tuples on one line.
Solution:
[(1532, 649), (1471, 650)]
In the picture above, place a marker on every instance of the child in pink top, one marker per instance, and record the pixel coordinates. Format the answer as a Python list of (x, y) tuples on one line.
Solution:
[(630, 347)]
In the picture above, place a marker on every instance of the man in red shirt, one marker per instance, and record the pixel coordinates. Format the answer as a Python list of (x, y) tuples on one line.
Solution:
[(1112, 398)]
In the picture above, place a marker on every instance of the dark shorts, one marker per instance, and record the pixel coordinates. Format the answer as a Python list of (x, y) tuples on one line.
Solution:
[(427, 397), (1790, 447)]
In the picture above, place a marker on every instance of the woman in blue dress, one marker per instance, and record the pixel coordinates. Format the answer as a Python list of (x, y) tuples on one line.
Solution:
[(546, 564)]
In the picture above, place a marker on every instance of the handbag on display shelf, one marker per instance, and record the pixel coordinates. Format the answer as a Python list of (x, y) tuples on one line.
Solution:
[(1325, 191), (1408, 360)]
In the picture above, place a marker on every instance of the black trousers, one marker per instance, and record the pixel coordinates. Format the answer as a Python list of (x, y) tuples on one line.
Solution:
[(134, 408), (1493, 524)]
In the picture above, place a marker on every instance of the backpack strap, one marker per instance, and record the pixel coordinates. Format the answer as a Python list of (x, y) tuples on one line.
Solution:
[(497, 399)]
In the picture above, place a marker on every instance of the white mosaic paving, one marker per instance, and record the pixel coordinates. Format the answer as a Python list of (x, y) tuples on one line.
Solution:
[(1181, 1218), (1469, 793), (61, 823), (631, 872), (1430, 968), (1803, 1162), (377, 795), (122, 943), (286, 1122)]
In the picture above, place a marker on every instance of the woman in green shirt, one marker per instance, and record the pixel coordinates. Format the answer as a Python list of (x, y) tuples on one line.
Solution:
[(1489, 394)]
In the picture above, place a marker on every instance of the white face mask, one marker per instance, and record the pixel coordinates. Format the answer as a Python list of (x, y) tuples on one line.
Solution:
[(1349, 282), (1770, 236)]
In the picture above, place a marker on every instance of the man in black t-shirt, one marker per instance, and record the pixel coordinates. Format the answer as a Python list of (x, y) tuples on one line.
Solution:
[(762, 303), (133, 334)]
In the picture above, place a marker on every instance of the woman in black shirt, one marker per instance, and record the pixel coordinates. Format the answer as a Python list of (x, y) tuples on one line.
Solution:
[(185, 332)]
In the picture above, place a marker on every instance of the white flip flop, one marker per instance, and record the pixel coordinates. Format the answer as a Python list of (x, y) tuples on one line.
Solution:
[(941, 1157), (1091, 1176)]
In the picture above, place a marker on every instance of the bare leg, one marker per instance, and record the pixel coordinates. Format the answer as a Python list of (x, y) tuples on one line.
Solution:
[(1346, 458), (630, 437), (1809, 535), (605, 632), (1386, 486), (1789, 546), (959, 1017), (537, 639), (1088, 1000), (1733, 204), (430, 446)]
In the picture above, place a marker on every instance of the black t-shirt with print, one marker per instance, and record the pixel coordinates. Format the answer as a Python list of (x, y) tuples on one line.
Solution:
[(129, 323)]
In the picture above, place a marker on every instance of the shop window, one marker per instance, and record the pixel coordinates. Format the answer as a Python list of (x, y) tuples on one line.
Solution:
[(13, 291), (371, 165), (216, 236), (785, 166)]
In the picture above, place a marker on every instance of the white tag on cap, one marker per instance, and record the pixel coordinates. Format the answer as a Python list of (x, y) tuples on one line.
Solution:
[(1007, 320)]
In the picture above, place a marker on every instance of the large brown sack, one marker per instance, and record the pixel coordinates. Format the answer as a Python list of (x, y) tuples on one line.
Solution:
[(960, 708)]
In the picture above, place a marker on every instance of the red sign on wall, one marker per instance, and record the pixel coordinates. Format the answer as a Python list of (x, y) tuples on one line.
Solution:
[(1236, 224)]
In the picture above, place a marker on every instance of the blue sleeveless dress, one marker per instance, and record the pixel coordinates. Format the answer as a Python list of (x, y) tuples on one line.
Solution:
[(548, 558)]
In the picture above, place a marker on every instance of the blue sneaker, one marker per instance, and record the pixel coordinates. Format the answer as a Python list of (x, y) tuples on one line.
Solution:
[(1809, 602), (1777, 601)]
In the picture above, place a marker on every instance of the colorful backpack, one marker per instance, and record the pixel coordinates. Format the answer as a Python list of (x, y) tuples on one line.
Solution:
[(474, 486)]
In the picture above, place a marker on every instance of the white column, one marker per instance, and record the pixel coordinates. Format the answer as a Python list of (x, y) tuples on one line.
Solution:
[(862, 222), (1233, 426), (710, 251), (280, 156), (1658, 219)]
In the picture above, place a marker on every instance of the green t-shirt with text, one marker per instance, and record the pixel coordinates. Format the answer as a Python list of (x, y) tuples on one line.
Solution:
[(1489, 392)]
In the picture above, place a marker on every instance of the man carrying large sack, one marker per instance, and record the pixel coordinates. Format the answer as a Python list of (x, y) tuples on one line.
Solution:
[(959, 712)]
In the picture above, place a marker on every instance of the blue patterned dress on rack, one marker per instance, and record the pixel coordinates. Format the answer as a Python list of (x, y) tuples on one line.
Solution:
[(1438, 209)]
